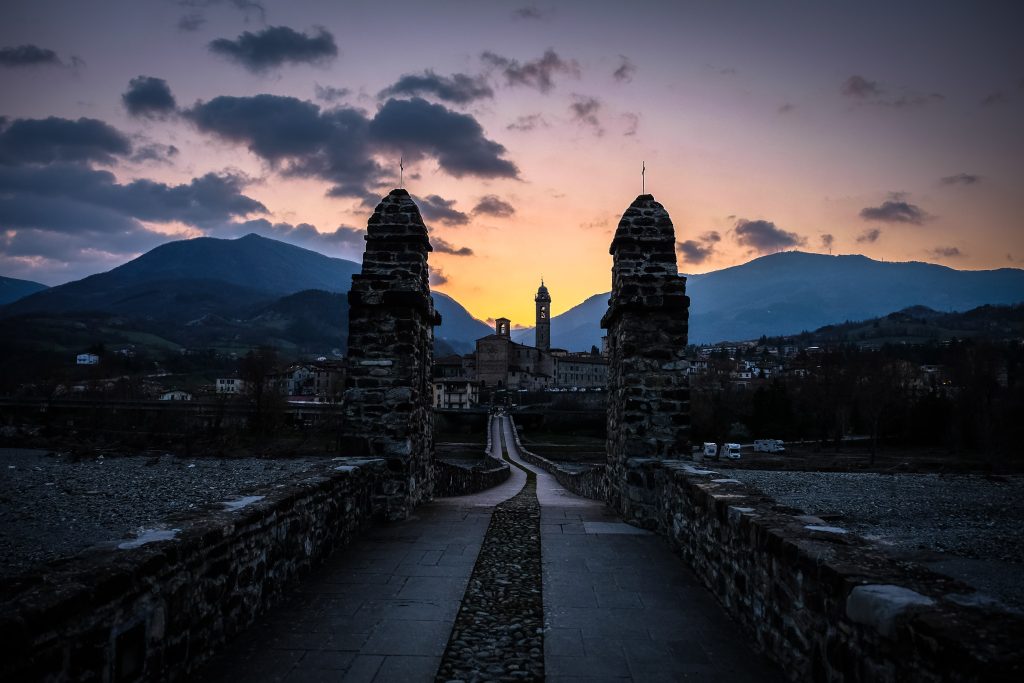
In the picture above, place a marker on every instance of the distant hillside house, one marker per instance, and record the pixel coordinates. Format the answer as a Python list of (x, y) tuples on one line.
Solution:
[(230, 385), (176, 395), (87, 359)]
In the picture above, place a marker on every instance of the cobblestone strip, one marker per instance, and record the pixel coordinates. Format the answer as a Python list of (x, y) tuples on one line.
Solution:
[(499, 631)]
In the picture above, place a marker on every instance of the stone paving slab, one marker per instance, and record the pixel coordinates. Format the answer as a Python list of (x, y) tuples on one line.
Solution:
[(618, 605)]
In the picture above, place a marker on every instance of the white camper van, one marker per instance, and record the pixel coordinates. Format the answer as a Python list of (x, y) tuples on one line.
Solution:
[(731, 450), (769, 446), (710, 450)]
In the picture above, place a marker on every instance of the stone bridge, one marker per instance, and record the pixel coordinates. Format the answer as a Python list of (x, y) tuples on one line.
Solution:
[(388, 566)]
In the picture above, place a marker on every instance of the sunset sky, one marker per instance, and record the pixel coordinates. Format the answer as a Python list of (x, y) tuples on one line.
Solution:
[(895, 130)]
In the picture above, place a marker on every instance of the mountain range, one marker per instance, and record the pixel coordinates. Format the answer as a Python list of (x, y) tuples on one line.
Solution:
[(12, 289), (789, 292), (221, 293)]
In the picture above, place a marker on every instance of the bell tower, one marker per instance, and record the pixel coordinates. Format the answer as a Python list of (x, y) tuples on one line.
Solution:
[(543, 327)]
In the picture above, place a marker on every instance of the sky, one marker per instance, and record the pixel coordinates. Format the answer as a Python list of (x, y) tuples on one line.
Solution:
[(893, 130)]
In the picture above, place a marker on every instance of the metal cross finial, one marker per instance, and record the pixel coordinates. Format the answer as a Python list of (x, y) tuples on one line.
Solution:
[(401, 171), (643, 177)]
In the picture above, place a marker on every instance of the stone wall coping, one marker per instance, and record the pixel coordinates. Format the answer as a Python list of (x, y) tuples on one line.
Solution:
[(101, 573), (880, 592)]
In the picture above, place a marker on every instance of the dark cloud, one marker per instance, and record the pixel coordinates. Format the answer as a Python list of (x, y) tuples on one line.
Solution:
[(457, 88), (872, 92), (206, 201), (28, 55), (869, 236), (338, 145), (995, 98), (67, 213), (945, 252), (56, 139), (786, 108), (860, 87), (493, 205), (530, 12), (538, 74), (961, 179), (625, 71), (329, 93), (191, 22), (827, 241), (343, 240), (456, 140), (895, 211), (437, 208), (764, 237), (437, 276), (527, 123), (584, 110), (700, 250), (442, 246), (154, 152), (149, 97), (277, 45)]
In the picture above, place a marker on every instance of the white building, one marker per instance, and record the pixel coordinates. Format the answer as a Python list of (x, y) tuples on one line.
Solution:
[(87, 359), (456, 393), (230, 385), (176, 395)]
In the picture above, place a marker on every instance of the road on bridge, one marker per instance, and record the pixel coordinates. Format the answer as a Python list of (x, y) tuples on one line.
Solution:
[(617, 605)]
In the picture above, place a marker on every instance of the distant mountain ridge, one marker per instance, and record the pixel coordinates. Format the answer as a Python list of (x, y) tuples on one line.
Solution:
[(12, 289), (208, 280), (789, 292)]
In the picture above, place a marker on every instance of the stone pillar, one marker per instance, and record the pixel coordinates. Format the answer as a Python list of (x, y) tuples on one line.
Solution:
[(647, 321), (388, 391)]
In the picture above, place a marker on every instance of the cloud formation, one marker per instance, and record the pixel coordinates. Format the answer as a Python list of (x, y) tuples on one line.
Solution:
[(442, 246), (895, 211), (149, 97), (493, 205), (437, 276), (330, 94), (860, 87), (275, 46), (28, 55), (584, 110), (625, 71), (437, 208), (995, 98), (700, 250), (961, 179), (530, 12), (827, 241), (338, 145), (342, 240), (869, 236), (538, 74), (527, 123), (872, 92), (192, 21), (945, 252), (53, 139), (765, 237), (457, 88), (65, 213)]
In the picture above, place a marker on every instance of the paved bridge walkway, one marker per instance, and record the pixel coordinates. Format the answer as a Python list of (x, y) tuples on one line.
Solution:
[(617, 604)]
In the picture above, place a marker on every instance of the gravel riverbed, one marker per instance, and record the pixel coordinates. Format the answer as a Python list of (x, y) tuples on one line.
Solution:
[(970, 527), (52, 506)]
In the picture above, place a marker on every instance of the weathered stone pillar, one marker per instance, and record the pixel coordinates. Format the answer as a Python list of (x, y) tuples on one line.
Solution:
[(388, 390), (647, 321)]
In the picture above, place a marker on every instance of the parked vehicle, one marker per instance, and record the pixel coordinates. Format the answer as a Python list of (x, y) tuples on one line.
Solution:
[(769, 446), (710, 450), (730, 450)]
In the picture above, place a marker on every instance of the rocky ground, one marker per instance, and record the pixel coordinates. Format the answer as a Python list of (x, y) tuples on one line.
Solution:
[(967, 526), (498, 633), (53, 505)]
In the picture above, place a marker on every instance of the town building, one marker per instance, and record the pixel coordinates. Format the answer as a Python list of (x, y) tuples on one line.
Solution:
[(499, 363), (87, 359)]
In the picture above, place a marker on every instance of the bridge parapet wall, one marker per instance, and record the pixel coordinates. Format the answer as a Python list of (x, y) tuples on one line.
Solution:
[(823, 603), (157, 610)]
